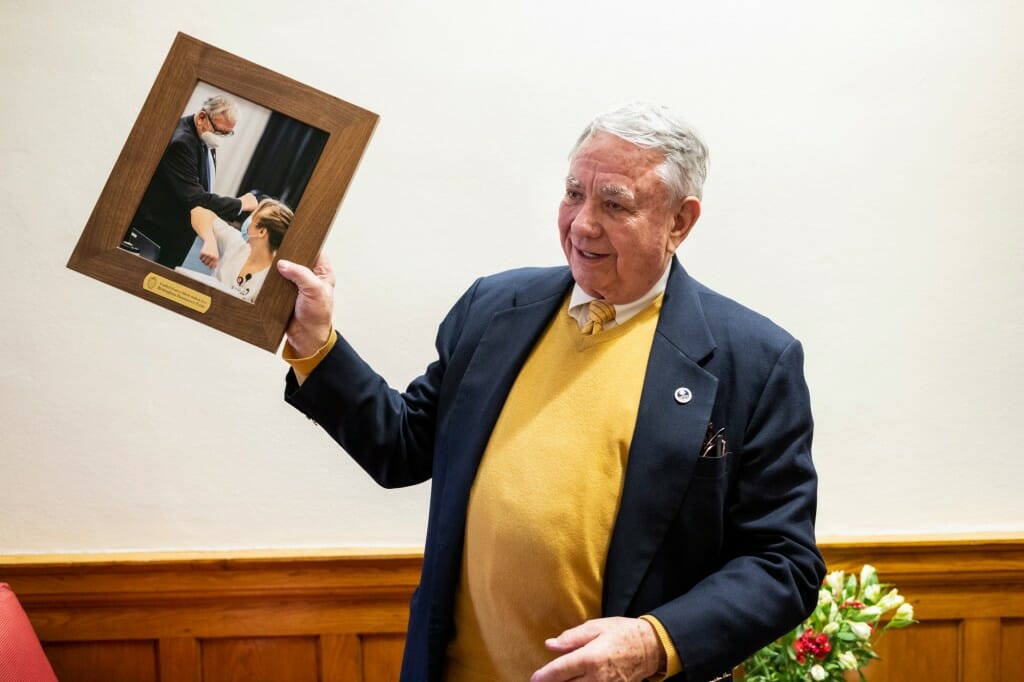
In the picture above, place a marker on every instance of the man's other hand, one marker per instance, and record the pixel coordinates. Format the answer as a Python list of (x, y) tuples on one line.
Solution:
[(249, 202), (310, 326), (602, 650)]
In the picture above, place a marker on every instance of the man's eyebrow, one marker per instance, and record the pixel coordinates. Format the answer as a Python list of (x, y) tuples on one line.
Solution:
[(616, 191), (571, 181)]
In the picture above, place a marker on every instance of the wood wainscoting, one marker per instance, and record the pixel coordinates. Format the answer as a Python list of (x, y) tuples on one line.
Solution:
[(330, 616)]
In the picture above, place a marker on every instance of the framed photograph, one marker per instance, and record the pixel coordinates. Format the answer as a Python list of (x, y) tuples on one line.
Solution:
[(228, 168)]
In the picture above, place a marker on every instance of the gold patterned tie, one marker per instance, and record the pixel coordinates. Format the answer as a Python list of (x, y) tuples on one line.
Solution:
[(599, 313)]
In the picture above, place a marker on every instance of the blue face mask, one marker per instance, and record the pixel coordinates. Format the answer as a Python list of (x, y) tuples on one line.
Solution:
[(245, 228)]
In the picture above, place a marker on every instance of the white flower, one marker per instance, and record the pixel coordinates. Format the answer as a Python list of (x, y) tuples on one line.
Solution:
[(871, 593), (904, 615), (847, 660), (869, 613), (824, 597), (861, 630), (891, 600), (830, 628), (818, 673), (868, 573), (834, 580)]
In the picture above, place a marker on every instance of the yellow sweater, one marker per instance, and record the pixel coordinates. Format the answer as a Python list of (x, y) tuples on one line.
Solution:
[(558, 467)]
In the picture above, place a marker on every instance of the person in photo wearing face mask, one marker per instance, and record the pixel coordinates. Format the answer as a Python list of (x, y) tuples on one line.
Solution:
[(241, 260), (184, 180)]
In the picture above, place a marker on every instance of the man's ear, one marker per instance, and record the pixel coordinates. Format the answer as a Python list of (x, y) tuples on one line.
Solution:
[(685, 218)]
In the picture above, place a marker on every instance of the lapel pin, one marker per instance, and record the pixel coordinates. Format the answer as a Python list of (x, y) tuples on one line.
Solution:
[(683, 395)]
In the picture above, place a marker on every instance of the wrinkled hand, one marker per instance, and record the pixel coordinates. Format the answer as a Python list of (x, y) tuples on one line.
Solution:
[(605, 649), (310, 326), (209, 255), (249, 202)]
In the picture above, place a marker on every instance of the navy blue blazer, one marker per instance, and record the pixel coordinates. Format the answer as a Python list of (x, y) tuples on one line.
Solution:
[(720, 549)]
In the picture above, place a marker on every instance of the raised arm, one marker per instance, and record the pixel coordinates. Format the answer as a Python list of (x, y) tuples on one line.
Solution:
[(202, 223)]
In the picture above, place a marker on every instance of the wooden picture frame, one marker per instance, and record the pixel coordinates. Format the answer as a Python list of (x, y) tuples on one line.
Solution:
[(190, 62)]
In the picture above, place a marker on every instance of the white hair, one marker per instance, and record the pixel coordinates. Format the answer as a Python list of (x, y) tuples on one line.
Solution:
[(220, 105), (652, 126)]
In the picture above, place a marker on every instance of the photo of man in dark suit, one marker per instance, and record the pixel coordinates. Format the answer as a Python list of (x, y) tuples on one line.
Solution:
[(620, 457), (184, 180)]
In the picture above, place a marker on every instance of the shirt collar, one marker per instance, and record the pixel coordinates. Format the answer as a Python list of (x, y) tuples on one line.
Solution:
[(579, 299)]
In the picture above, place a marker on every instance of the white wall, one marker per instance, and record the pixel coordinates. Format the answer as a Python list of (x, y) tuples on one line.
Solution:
[(865, 192)]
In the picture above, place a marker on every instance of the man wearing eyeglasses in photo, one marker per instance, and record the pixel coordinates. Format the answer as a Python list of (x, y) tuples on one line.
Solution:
[(184, 180)]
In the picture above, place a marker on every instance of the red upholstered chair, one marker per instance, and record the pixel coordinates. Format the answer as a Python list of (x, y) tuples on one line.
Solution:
[(21, 655)]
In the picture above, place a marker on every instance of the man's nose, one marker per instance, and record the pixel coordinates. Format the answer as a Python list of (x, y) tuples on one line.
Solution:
[(585, 222)]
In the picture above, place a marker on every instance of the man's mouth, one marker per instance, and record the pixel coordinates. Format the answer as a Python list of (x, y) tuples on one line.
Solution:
[(590, 255)]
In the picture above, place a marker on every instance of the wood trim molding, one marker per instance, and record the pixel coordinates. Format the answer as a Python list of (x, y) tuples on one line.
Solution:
[(933, 560), (945, 578), (214, 595), (347, 608), (325, 615), (950, 570), (97, 579)]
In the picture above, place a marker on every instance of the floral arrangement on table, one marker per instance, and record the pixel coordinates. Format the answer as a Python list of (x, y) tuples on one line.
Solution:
[(840, 635)]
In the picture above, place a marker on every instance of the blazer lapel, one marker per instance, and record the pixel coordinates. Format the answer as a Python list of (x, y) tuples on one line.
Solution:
[(509, 337), (669, 432), (204, 167)]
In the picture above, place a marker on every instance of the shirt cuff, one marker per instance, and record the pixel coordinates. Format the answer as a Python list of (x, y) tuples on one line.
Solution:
[(673, 666), (303, 367)]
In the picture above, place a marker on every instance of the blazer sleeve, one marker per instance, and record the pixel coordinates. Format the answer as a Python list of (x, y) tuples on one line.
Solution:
[(771, 571), (180, 168), (389, 433)]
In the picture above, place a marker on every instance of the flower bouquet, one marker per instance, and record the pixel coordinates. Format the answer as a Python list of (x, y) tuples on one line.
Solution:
[(839, 636)]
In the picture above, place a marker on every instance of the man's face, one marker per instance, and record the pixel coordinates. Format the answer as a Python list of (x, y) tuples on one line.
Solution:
[(617, 226), (219, 124)]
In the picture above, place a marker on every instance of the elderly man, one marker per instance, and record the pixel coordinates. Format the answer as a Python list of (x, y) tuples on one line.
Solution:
[(184, 180), (622, 485)]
